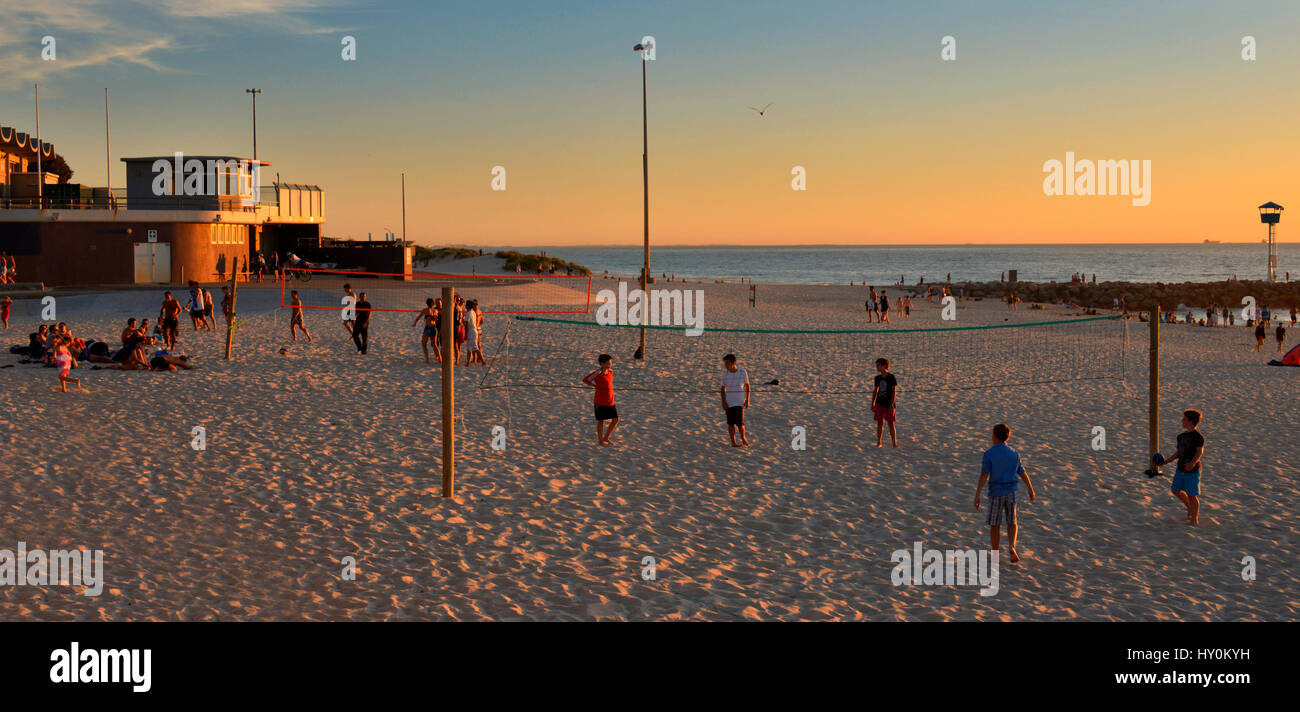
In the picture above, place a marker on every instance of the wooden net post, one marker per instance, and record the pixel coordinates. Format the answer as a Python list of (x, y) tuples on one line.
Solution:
[(1153, 389), (448, 394)]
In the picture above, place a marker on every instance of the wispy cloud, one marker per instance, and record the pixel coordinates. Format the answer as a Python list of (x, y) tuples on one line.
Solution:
[(93, 33)]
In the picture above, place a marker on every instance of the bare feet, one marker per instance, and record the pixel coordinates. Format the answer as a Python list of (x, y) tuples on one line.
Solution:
[(1015, 558)]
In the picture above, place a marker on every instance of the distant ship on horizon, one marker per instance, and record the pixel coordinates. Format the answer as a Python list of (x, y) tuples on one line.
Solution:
[(1211, 242)]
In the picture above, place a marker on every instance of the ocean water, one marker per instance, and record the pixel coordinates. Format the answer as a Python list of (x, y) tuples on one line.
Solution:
[(884, 264)]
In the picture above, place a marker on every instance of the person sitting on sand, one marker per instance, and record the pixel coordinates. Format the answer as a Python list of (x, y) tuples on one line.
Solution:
[(884, 397), (64, 362), (602, 379), (97, 352), (1002, 469), (1186, 485), (735, 399)]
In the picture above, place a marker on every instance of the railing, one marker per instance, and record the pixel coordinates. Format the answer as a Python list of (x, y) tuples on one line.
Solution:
[(167, 202)]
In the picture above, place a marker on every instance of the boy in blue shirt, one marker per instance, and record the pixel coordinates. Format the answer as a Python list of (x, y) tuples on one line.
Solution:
[(1003, 471)]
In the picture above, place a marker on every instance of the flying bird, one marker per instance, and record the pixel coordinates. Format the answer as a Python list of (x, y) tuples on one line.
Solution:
[(762, 111)]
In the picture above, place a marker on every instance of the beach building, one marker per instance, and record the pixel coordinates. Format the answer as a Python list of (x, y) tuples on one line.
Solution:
[(180, 217), (18, 176)]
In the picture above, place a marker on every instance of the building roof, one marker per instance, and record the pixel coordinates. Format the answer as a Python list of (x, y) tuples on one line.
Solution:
[(1270, 205), (14, 141)]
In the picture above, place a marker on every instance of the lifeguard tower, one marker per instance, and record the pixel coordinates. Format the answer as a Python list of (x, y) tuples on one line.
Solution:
[(1270, 214)]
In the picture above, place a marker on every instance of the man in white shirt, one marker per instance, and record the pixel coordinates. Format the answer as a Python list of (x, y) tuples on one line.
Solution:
[(735, 398)]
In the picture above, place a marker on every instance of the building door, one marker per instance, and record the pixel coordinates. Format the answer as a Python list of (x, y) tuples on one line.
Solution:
[(153, 262)]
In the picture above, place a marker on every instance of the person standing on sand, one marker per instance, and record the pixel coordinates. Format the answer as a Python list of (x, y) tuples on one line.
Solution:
[(361, 329), (1294, 313), (884, 307), (8, 302), (169, 318), (1002, 469), (295, 317), (347, 292), (430, 333), (64, 362), (1186, 485), (1280, 333), (884, 397), (227, 306), (1260, 335), (735, 398), (602, 379)]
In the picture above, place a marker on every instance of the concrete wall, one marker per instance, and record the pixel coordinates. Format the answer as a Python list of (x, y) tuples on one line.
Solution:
[(104, 253)]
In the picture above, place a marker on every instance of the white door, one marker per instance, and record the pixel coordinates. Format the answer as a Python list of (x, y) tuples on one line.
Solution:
[(153, 262)]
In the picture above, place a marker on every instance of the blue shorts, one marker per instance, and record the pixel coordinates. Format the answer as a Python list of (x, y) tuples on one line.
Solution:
[(1189, 482)]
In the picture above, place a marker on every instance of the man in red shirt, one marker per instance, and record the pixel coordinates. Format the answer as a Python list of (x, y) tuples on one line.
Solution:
[(602, 380)]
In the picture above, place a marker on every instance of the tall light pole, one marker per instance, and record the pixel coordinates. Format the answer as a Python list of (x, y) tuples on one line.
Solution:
[(40, 171), (647, 49), (254, 92), (403, 208)]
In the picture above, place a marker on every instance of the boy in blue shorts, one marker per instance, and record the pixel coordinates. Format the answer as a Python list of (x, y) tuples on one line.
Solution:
[(1187, 479), (1003, 471)]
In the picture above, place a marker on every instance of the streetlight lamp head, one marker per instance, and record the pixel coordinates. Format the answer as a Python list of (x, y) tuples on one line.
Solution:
[(639, 48)]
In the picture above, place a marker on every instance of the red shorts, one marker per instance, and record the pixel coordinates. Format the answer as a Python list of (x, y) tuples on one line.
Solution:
[(886, 414)]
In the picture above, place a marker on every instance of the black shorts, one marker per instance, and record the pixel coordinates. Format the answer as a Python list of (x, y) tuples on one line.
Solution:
[(736, 415), (170, 322), (196, 313), (606, 412)]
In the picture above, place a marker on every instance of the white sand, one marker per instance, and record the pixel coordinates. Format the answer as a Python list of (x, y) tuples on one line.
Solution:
[(329, 454)]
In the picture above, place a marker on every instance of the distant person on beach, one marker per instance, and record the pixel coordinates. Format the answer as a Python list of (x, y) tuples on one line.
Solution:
[(163, 361), (361, 329), (602, 379), (227, 306), (1260, 335), (208, 318), (259, 266), (1294, 314), (295, 316), (221, 267), (169, 319), (1186, 485), (347, 292), (1280, 333), (1002, 469), (473, 334), (195, 306), (430, 332), (884, 307), (735, 398), (8, 302), (884, 398)]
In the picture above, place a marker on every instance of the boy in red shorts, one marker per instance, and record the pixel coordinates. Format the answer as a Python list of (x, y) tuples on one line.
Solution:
[(883, 398)]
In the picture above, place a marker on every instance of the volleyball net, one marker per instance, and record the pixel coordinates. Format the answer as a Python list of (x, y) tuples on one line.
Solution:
[(394, 292), (539, 352)]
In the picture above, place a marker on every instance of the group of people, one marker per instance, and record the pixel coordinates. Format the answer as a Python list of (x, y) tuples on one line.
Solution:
[(57, 347), (8, 269), (467, 328), (466, 319), (878, 306)]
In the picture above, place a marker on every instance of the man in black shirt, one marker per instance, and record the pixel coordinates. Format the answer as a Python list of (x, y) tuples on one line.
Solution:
[(1187, 479), (361, 328)]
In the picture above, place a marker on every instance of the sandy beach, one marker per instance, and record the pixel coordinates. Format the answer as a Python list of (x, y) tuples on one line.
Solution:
[(325, 454)]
